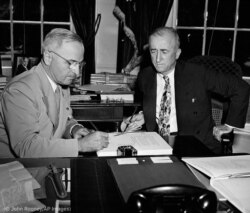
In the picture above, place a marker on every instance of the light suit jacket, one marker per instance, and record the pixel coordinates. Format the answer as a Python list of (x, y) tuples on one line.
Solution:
[(30, 123), (193, 87)]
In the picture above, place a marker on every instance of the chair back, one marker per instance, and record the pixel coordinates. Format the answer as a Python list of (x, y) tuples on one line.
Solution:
[(218, 63), (221, 64), (172, 199)]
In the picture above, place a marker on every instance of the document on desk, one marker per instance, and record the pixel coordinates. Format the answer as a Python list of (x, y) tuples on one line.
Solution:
[(229, 175), (146, 143)]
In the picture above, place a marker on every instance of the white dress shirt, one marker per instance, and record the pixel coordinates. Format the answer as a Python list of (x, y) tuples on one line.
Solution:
[(160, 90), (53, 84)]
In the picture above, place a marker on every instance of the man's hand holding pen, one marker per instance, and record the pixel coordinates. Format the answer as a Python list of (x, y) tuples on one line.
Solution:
[(133, 123), (81, 132), (90, 140), (93, 141)]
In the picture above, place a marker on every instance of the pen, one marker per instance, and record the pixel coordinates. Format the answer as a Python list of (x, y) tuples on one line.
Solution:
[(123, 133), (238, 175), (130, 119), (94, 126)]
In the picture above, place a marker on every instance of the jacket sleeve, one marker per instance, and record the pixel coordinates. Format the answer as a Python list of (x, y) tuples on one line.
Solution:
[(234, 89), (29, 128)]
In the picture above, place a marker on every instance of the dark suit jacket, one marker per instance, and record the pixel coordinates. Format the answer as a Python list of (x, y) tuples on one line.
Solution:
[(193, 87)]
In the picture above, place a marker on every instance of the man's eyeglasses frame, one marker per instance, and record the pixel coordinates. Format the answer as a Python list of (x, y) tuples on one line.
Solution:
[(72, 63)]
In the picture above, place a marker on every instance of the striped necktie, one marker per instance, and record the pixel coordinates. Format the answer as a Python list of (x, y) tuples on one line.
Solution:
[(57, 97), (165, 109)]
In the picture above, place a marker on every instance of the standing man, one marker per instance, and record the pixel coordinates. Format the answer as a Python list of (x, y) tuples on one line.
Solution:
[(35, 114), (182, 90)]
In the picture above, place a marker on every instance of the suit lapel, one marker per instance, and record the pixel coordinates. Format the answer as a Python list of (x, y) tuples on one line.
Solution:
[(48, 96), (150, 103), (182, 87)]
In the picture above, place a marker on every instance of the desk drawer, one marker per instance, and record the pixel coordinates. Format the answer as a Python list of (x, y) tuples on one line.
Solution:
[(98, 113)]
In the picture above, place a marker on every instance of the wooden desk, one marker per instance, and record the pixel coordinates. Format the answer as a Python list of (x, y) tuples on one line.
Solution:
[(102, 112), (99, 191), (94, 188)]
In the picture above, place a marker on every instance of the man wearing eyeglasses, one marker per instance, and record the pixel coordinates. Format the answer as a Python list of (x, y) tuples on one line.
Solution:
[(35, 115)]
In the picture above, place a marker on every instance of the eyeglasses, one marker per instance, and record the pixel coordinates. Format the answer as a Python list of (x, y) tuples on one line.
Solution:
[(72, 63)]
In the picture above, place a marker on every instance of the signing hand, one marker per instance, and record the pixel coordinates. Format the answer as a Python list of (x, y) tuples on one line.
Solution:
[(93, 142), (79, 132), (133, 123)]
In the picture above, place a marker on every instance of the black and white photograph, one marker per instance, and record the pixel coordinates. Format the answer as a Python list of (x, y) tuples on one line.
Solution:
[(119, 106)]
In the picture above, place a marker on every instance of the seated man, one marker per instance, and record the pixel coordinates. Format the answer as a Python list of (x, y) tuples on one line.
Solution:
[(175, 95), (35, 114)]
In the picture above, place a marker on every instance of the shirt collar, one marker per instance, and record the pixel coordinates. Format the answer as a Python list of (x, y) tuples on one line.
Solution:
[(53, 84), (170, 74)]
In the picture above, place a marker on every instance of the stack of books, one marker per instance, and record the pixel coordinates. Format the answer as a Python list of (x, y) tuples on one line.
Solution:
[(111, 78), (3, 82), (110, 92)]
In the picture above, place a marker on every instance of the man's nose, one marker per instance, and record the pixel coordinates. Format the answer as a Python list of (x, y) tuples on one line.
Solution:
[(158, 56), (76, 70)]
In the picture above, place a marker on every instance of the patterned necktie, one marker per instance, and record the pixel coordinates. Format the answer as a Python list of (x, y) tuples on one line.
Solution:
[(165, 109)]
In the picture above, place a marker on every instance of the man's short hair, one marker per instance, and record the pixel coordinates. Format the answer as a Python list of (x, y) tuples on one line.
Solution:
[(161, 31), (57, 36)]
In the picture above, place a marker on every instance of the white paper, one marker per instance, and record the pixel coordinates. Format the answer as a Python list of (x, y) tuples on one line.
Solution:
[(230, 176), (125, 161), (146, 143), (221, 166), (161, 159), (236, 190)]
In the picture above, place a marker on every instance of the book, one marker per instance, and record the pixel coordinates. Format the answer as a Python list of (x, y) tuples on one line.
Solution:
[(111, 78), (84, 97), (3, 79), (146, 143), (229, 175)]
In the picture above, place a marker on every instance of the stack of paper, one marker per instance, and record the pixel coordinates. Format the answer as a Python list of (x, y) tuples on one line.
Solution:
[(146, 143), (16, 189), (230, 176)]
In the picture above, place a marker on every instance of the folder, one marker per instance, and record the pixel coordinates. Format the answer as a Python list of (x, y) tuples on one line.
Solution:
[(229, 175)]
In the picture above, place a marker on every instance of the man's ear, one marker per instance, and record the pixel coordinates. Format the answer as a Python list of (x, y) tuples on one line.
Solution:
[(47, 57), (178, 52)]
